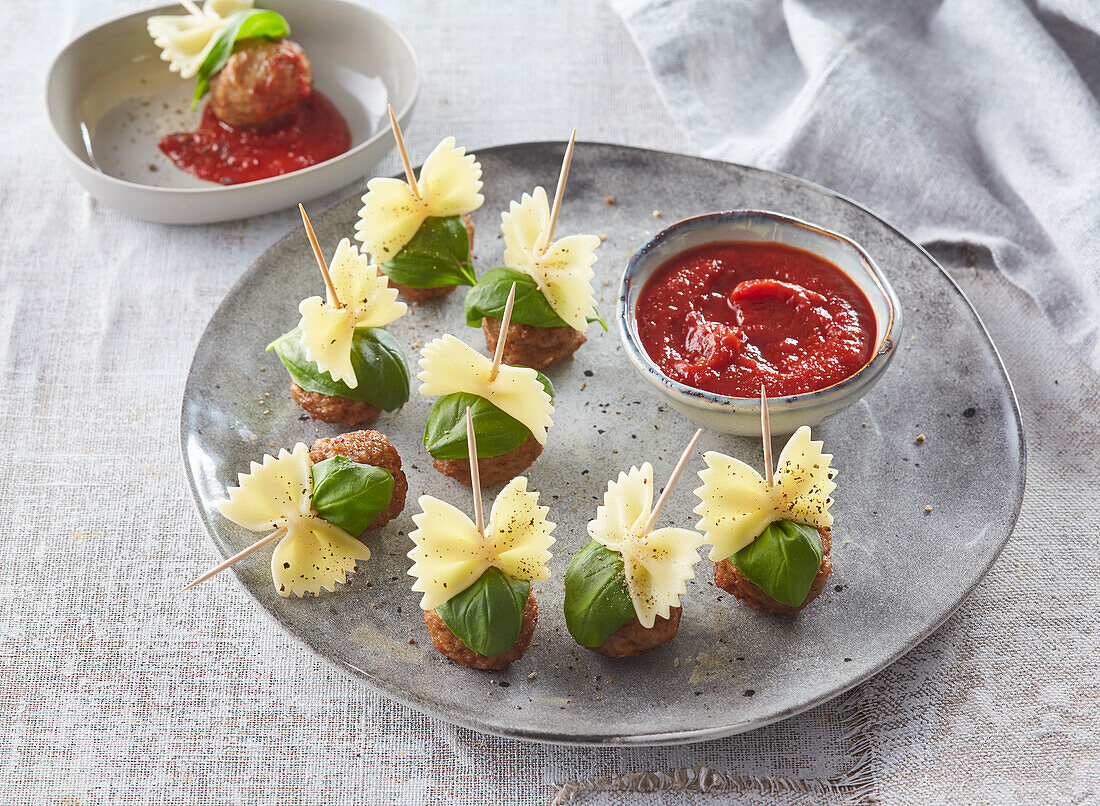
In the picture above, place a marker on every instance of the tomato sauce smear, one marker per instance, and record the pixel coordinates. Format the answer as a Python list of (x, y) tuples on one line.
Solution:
[(229, 155), (726, 317)]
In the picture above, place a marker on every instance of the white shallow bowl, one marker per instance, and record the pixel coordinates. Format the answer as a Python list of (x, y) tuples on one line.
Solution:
[(110, 98), (740, 415)]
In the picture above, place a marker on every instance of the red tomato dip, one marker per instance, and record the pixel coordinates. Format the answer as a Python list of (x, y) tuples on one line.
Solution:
[(314, 132), (726, 317)]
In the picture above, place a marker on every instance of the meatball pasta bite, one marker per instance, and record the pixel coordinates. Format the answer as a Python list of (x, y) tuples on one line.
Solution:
[(344, 366), (622, 590), (554, 300), (476, 577), (419, 230), (319, 501), (264, 117), (770, 536), (510, 409)]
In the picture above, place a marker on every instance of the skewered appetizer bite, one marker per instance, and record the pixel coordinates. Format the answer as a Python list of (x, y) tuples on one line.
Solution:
[(622, 590), (510, 408), (555, 300), (476, 577), (264, 117), (344, 366), (319, 501), (419, 230), (770, 537)]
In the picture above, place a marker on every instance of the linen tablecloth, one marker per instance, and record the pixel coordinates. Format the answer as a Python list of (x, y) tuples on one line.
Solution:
[(114, 689)]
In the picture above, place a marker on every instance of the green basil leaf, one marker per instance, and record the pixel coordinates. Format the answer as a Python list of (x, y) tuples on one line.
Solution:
[(497, 432), (488, 615), (782, 561), (597, 601), (438, 255), (243, 25), (490, 294), (376, 357), (349, 494)]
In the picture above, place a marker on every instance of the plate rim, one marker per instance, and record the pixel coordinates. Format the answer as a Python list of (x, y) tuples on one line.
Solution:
[(596, 739), (78, 164)]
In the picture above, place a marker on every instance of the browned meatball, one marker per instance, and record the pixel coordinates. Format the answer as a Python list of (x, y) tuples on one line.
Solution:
[(496, 469), (424, 294), (368, 448), (730, 579), (262, 81), (333, 409), (633, 639), (452, 646), (412, 294), (535, 347)]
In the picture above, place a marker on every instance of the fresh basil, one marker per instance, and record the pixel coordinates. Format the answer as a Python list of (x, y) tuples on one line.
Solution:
[(242, 25), (490, 294), (497, 432), (376, 358), (438, 255), (597, 601), (488, 615), (782, 561), (349, 494)]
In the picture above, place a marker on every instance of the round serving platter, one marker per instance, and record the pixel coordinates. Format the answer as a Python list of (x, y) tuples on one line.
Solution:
[(918, 521)]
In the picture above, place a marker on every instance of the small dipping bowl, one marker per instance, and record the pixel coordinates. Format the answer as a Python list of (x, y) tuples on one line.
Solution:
[(741, 415)]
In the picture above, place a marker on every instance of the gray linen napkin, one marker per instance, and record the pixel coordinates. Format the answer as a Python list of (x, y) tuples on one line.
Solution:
[(966, 123)]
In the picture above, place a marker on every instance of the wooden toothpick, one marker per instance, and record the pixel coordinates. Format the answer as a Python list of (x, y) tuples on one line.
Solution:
[(333, 299), (502, 337), (409, 175), (240, 555), (560, 191), (766, 433), (192, 9), (675, 477), (475, 475)]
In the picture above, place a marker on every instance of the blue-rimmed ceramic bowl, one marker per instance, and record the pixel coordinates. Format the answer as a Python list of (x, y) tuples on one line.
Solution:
[(740, 415)]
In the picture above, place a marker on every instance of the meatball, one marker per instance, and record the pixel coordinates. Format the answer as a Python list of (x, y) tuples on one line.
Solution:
[(333, 409), (633, 639), (451, 645), (535, 347), (368, 448), (496, 469), (730, 579), (262, 81), (413, 294)]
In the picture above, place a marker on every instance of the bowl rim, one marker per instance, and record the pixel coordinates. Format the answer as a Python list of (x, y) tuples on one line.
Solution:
[(81, 165), (885, 345)]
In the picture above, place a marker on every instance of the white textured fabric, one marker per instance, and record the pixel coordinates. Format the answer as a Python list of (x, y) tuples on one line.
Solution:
[(116, 690), (961, 121)]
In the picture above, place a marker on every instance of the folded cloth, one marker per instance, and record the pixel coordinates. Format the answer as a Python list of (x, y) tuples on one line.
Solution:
[(971, 123)]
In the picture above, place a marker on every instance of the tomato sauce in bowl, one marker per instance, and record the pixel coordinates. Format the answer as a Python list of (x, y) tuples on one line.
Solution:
[(725, 317)]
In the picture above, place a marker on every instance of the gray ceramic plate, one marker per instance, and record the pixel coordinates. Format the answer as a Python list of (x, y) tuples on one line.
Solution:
[(900, 570)]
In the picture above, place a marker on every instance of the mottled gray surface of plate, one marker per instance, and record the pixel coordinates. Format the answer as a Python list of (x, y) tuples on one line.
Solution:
[(900, 568)]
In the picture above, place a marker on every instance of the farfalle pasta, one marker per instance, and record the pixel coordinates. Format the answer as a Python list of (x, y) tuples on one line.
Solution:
[(476, 585), (622, 590), (365, 300), (291, 493), (554, 299), (186, 39), (345, 367), (771, 543), (421, 236), (511, 412), (562, 269)]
